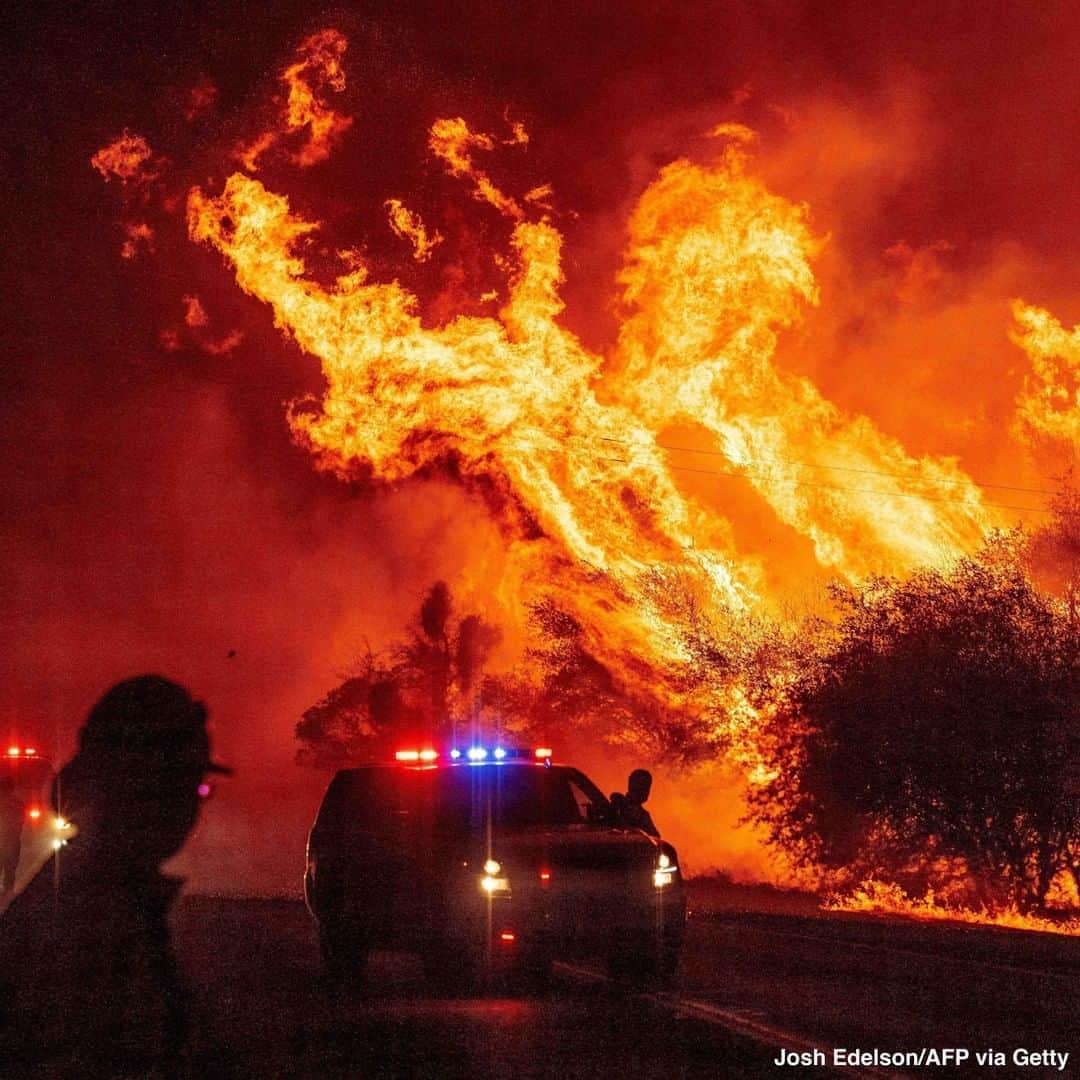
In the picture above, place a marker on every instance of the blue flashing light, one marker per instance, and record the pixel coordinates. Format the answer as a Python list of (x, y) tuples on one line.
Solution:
[(476, 753), (455, 754), (500, 753)]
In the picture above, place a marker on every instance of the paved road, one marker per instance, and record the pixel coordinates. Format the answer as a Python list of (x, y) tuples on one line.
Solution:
[(253, 965), (749, 983)]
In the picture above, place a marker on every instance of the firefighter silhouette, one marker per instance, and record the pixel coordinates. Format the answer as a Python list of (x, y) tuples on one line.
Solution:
[(89, 985), (630, 812)]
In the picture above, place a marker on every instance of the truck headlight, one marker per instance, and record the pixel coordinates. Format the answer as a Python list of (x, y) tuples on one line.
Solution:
[(665, 871)]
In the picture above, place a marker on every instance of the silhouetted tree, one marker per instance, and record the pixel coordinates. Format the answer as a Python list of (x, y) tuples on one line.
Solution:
[(563, 686), (416, 690), (1053, 551), (940, 718)]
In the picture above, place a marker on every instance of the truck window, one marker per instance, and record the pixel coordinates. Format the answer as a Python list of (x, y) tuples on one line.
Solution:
[(513, 798)]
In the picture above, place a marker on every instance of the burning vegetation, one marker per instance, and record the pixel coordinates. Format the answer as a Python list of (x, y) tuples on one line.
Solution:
[(920, 726)]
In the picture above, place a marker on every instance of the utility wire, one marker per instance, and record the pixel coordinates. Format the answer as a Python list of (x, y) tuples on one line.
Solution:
[(855, 469), (748, 474), (816, 465)]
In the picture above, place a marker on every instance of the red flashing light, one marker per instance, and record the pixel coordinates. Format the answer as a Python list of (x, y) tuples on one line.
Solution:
[(545, 876), (34, 813), (13, 751), (29, 751), (508, 936), (542, 752), (417, 755)]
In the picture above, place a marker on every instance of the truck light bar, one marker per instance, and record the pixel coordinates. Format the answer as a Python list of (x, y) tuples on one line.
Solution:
[(475, 755)]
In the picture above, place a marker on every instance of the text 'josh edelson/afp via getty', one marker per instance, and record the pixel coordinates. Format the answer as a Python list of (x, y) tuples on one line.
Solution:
[(838, 1057)]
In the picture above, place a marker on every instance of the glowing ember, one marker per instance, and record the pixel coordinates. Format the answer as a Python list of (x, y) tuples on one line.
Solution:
[(129, 158), (409, 227), (317, 68), (138, 235)]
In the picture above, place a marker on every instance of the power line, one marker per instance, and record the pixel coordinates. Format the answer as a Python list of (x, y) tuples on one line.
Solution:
[(836, 487), (749, 475), (818, 465), (872, 491), (870, 472)]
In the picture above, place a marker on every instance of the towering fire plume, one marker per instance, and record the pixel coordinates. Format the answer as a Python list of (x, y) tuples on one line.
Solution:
[(752, 395), (567, 444)]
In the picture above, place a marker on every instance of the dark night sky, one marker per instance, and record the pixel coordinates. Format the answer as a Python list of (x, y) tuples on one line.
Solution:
[(156, 512)]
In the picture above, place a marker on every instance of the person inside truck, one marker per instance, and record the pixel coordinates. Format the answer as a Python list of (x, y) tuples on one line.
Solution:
[(630, 812)]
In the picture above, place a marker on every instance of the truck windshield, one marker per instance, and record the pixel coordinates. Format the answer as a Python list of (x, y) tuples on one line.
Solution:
[(510, 798)]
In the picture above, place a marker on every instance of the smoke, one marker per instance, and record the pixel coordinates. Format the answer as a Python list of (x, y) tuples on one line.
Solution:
[(157, 515)]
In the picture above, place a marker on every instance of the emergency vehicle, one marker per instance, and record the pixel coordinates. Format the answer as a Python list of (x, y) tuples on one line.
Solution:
[(33, 773), (486, 861)]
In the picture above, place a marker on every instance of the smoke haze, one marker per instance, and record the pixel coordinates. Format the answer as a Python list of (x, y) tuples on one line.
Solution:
[(158, 514)]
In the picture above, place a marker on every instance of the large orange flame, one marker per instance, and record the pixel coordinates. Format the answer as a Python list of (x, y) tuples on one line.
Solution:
[(577, 451), (1048, 406), (569, 440)]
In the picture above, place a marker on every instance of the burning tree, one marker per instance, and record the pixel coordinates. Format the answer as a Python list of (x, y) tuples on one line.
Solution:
[(562, 684), (421, 688), (1053, 552), (939, 721), (435, 680)]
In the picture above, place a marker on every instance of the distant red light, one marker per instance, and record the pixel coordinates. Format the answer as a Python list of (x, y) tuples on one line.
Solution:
[(34, 813), (545, 875), (507, 935)]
